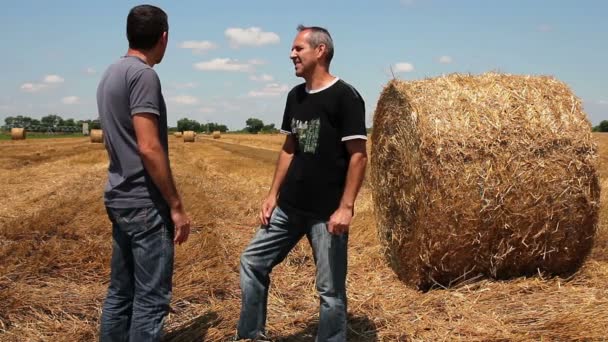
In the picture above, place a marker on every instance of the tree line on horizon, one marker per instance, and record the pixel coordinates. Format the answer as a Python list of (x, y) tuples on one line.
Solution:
[(602, 127), (54, 123), (49, 123)]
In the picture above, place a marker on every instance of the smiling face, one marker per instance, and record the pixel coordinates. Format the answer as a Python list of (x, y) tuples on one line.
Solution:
[(305, 58)]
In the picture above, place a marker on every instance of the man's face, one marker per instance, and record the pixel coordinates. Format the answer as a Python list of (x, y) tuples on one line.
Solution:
[(303, 55)]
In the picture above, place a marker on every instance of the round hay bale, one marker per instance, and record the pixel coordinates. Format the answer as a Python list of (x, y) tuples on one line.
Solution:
[(17, 133), (177, 134), (483, 176), (189, 136), (217, 134), (96, 136)]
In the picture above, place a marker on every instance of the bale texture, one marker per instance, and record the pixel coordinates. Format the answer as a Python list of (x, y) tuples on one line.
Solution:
[(96, 136), (189, 136), (177, 134), (216, 134), (17, 133), (483, 176)]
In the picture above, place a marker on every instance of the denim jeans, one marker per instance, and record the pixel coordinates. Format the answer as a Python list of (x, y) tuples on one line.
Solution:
[(141, 275), (269, 247)]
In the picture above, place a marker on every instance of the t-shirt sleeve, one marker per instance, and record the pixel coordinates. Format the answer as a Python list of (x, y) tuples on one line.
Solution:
[(352, 116), (145, 92), (286, 124)]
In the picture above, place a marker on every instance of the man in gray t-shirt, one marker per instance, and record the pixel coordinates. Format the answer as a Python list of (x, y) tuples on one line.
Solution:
[(129, 81), (143, 204)]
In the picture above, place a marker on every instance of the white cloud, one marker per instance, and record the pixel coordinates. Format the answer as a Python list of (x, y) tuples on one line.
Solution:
[(186, 85), (198, 45), (252, 36), (90, 71), (70, 100), (47, 81), (602, 102), (184, 99), (53, 79), (403, 67), (262, 78), (207, 110), (32, 87), (545, 28), (223, 64), (272, 89), (445, 60), (256, 61)]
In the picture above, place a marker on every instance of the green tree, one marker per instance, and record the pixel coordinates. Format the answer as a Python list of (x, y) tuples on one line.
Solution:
[(269, 129), (52, 121), (214, 126), (18, 121), (603, 126), (254, 125), (186, 124), (70, 123)]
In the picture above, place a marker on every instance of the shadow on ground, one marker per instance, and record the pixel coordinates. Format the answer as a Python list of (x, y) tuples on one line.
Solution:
[(195, 330), (360, 329)]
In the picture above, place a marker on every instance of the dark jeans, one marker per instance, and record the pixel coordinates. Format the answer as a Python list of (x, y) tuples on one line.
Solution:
[(142, 269), (269, 247)]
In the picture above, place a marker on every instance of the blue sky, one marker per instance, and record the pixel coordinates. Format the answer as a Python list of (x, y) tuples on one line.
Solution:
[(229, 60)]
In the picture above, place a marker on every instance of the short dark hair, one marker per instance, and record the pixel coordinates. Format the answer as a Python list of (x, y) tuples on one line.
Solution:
[(318, 36), (145, 26)]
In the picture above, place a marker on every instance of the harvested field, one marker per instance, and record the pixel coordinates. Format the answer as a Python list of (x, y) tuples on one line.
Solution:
[(55, 248)]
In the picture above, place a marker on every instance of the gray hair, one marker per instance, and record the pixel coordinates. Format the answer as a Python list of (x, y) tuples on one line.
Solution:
[(318, 36)]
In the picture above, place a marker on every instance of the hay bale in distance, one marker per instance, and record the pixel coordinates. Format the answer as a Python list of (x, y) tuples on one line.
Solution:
[(96, 136), (18, 133), (177, 134), (216, 134), (189, 136), (483, 176)]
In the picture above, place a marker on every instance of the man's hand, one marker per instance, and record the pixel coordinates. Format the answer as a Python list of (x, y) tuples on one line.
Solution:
[(339, 222), (268, 206), (182, 225)]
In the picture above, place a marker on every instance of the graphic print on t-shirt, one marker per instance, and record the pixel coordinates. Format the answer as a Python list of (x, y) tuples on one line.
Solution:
[(307, 133)]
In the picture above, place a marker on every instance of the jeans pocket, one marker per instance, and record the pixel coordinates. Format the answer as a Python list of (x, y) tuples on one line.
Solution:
[(130, 216)]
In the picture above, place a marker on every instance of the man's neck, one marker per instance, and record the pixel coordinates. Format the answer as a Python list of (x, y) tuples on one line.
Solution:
[(319, 79), (143, 55)]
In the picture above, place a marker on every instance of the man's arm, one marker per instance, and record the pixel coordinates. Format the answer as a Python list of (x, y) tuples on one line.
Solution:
[(285, 157), (157, 165), (340, 220)]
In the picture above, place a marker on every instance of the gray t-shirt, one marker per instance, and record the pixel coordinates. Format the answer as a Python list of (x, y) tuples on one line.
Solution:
[(129, 86)]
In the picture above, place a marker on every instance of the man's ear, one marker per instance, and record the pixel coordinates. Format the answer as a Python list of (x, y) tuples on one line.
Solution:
[(321, 50)]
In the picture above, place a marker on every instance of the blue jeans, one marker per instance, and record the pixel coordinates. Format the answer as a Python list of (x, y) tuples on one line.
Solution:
[(269, 247), (142, 269)]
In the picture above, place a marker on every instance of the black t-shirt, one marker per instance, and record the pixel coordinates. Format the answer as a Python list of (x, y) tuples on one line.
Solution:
[(321, 121)]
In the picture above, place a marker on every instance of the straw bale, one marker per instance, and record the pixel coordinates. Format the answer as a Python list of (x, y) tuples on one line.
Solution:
[(483, 176), (189, 136), (96, 136), (216, 134), (17, 133), (177, 134)]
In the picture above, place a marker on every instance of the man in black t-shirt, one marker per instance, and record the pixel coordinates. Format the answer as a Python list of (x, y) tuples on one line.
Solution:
[(318, 175)]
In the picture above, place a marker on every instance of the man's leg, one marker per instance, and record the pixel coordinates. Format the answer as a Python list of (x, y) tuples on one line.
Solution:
[(153, 260), (268, 248), (118, 305), (330, 252)]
